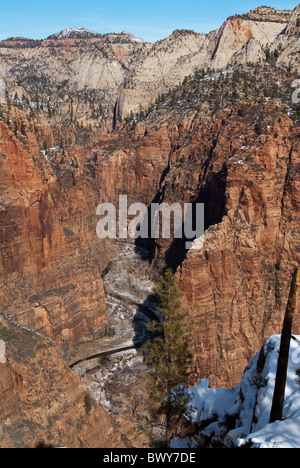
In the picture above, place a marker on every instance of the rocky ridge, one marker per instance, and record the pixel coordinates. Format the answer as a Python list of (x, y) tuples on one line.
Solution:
[(95, 79), (241, 270)]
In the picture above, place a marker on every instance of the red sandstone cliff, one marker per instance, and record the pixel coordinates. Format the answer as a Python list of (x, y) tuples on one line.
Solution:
[(42, 401), (51, 258), (236, 280)]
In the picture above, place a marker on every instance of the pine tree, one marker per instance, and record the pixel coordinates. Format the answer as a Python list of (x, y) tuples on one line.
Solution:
[(23, 129), (170, 361)]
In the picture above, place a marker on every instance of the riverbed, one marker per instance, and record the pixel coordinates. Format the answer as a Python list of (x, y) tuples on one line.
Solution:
[(111, 366)]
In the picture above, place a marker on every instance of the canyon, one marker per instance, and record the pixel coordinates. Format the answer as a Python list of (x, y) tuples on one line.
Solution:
[(192, 118)]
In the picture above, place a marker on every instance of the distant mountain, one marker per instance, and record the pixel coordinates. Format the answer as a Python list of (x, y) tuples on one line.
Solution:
[(125, 74), (82, 33), (75, 33)]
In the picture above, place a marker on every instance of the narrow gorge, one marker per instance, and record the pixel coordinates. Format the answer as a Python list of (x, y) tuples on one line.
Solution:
[(193, 118)]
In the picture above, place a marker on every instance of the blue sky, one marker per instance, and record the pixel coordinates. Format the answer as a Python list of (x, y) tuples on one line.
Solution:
[(151, 20)]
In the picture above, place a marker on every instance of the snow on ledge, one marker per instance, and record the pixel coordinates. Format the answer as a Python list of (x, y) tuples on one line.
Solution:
[(252, 405), (198, 243)]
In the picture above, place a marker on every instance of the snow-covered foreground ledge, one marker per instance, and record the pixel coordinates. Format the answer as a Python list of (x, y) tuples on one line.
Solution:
[(247, 406)]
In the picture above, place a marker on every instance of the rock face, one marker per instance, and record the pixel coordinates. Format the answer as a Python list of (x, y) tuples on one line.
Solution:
[(236, 278), (72, 77), (52, 259), (94, 79), (287, 45), (166, 65), (178, 56), (237, 32), (46, 284), (42, 401), (284, 47)]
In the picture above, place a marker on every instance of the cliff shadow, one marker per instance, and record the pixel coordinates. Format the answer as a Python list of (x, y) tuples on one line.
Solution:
[(145, 314), (163, 253), (213, 197)]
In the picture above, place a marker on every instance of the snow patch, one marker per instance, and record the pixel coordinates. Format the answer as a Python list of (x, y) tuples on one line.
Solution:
[(250, 402), (198, 243), (74, 32)]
